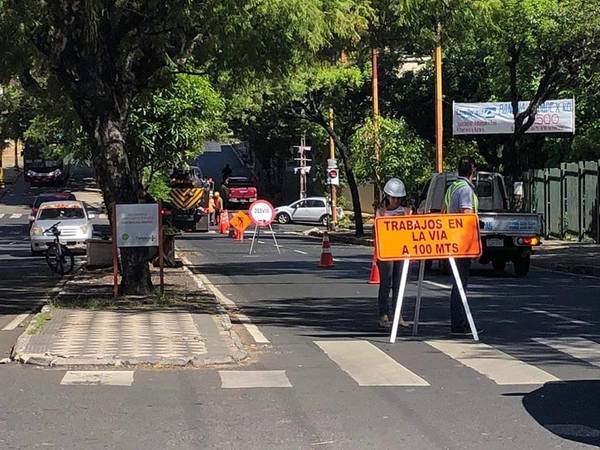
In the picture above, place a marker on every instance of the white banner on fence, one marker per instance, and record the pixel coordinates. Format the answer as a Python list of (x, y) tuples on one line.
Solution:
[(137, 225), (553, 116)]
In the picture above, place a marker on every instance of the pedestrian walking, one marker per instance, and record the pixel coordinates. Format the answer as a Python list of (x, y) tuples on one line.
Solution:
[(394, 204), (225, 173), (211, 210), (461, 198), (218, 207)]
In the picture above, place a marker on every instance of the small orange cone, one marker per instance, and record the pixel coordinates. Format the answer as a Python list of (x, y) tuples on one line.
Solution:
[(224, 222), (374, 277), (326, 256)]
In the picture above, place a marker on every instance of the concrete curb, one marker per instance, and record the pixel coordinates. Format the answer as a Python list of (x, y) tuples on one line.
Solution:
[(237, 351), (233, 343), (573, 269), (341, 238)]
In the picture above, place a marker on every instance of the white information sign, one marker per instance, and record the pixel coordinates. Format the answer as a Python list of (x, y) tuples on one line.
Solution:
[(553, 116), (137, 225), (262, 213)]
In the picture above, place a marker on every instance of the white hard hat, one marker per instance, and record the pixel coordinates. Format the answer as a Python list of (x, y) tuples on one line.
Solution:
[(395, 188)]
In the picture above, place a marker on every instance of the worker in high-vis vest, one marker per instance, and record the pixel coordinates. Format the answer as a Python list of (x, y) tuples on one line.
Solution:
[(461, 198), (394, 204)]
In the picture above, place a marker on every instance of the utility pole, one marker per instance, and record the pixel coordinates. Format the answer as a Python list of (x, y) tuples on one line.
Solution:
[(439, 131), (375, 94), (303, 168), (334, 219)]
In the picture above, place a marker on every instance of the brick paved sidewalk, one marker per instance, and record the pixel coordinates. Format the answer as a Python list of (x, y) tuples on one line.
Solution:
[(84, 326)]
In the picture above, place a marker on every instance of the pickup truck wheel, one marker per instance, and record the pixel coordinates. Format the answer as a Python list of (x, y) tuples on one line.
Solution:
[(499, 264), (283, 218), (522, 266)]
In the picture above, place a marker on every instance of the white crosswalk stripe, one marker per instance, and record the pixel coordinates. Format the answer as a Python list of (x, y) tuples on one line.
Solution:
[(368, 365), (246, 379), (2, 216), (15, 322), (579, 348), (98, 377), (16, 216), (492, 363)]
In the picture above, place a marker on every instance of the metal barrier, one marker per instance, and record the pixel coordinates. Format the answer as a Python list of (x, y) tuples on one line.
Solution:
[(568, 197)]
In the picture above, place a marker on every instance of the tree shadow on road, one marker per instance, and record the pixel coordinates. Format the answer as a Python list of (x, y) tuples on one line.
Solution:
[(568, 409)]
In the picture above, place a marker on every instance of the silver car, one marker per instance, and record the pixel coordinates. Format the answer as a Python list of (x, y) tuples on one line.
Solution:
[(73, 223), (311, 209)]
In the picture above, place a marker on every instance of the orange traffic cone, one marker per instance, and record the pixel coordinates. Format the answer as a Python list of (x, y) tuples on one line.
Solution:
[(326, 256), (224, 222), (239, 235), (374, 277)]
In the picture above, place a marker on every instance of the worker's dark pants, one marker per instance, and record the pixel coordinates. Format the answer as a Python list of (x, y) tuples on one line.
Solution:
[(458, 316), (389, 276)]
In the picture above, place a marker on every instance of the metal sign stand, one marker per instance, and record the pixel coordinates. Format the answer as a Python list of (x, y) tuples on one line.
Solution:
[(403, 281), (256, 235)]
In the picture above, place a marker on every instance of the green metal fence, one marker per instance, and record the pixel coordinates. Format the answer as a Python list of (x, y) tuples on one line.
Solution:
[(568, 198)]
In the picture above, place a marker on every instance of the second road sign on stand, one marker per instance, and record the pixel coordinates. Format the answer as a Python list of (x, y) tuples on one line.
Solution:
[(240, 221)]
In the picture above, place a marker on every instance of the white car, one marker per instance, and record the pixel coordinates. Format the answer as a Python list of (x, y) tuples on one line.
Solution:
[(310, 209), (73, 223)]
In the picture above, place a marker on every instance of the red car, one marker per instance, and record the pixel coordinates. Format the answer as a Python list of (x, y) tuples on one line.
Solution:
[(43, 198)]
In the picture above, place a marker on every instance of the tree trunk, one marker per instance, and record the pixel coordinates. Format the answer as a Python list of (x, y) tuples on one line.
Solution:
[(342, 149), (118, 179)]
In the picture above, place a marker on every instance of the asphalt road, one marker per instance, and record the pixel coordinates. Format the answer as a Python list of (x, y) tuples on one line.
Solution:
[(25, 281), (327, 378), (531, 395)]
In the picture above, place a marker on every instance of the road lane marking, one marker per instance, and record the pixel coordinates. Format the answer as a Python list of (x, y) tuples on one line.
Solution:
[(15, 322), (204, 283), (368, 365), (15, 216), (98, 377), (2, 216), (247, 379), (492, 363), (301, 252), (440, 285), (557, 316), (579, 348)]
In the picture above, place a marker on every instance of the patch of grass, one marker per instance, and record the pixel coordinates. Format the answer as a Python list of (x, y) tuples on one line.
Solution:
[(38, 322), (84, 303)]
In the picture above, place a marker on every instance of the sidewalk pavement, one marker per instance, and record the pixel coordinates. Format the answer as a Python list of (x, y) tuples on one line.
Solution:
[(564, 256), (84, 326)]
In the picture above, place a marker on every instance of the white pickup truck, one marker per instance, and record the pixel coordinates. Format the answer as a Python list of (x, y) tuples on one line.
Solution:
[(505, 236)]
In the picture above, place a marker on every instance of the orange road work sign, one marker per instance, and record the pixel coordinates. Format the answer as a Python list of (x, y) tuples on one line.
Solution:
[(435, 236), (240, 221)]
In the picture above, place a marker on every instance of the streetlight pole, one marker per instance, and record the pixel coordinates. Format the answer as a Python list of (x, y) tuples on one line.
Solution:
[(334, 217), (439, 131), (375, 94)]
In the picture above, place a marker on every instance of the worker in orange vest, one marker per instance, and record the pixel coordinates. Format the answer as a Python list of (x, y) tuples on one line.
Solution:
[(218, 207), (211, 210)]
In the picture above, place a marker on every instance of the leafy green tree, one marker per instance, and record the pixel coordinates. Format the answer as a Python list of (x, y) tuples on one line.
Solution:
[(402, 154), (168, 127), (102, 54), (541, 47)]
